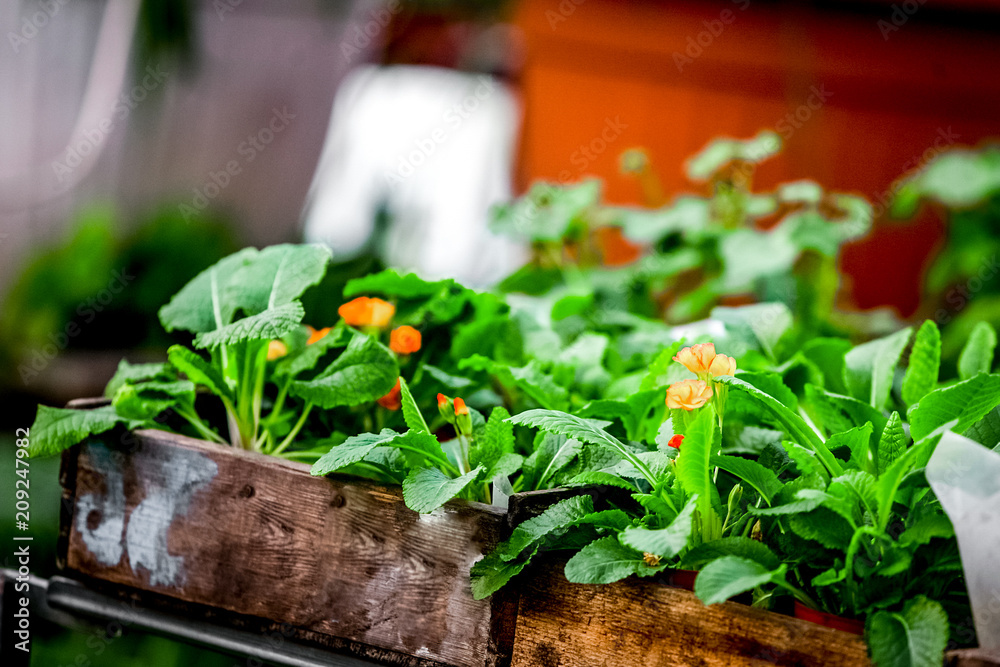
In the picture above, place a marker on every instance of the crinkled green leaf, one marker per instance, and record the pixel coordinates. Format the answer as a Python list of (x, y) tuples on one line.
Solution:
[(364, 372), (132, 373), (268, 325), (925, 358), (143, 402), (599, 478), (492, 572), (426, 489), (892, 444), (56, 429), (411, 413)]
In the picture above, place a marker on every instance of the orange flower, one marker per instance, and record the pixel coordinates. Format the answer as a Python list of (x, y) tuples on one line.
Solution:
[(688, 394), (442, 401), (364, 311), (460, 407), (392, 400), (675, 441), (316, 335), (697, 358), (404, 340), (722, 365), (276, 350)]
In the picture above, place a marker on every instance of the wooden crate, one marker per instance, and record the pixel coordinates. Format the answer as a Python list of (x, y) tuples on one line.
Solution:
[(641, 623), (341, 559)]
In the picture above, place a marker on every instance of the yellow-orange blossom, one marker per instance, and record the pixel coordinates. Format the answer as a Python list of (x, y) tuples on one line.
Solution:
[(688, 394)]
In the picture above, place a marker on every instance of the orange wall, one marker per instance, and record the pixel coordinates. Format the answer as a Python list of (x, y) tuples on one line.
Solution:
[(888, 101)]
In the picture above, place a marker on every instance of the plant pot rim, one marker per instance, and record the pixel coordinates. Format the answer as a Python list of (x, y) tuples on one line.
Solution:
[(844, 624)]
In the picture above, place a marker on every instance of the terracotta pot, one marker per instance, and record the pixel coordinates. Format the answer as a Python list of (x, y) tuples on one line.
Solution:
[(682, 579), (852, 625)]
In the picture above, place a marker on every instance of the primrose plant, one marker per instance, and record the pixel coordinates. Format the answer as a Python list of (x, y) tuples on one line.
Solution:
[(249, 350)]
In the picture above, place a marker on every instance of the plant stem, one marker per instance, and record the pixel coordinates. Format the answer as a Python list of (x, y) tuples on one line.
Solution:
[(295, 430), (200, 426)]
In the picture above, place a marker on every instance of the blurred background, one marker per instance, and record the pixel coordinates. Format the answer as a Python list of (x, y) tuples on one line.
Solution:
[(140, 141)]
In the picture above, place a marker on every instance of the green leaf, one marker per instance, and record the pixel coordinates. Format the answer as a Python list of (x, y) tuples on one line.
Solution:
[(352, 450), (926, 529), (664, 542), (967, 401), (731, 575), (796, 428), (200, 306), (744, 547), (199, 371), (922, 371), (268, 325), (492, 573), (915, 637), (411, 413), (892, 444), (562, 515), (605, 561), (427, 489), (824, 526), (888, 482), (858, 441), (307, 358), (828, 355), (452, 382), (392, 283), (694, 472), (765, 323), (977, 355), (143, 402), (132, 373), (56, 429), (599, 478), (363, 373), (762, 479), (772, 385), (837, 413), (869, 368), (250, 281), (986, 431), (584, 430)]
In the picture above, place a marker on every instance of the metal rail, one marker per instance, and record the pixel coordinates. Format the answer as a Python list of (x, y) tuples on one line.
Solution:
[(72, 604)]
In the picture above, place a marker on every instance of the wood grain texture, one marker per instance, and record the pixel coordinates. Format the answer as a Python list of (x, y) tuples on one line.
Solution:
[(637, 623), (260, 536)]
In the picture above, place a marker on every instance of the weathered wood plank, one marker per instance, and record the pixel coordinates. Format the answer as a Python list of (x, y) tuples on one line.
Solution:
[(645, 624), (260, 536)]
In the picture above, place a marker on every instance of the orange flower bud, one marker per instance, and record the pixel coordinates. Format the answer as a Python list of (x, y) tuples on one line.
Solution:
[(688, 394), (317, 335), (364, 311), (404, 340), (722, 365), (392, 400), (460, 407), (675, 441), (442, 401), (697, 358), (276, 350)]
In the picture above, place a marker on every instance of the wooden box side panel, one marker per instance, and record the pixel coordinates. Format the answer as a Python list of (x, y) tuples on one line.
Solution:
[(641, 624), (260, 536)]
